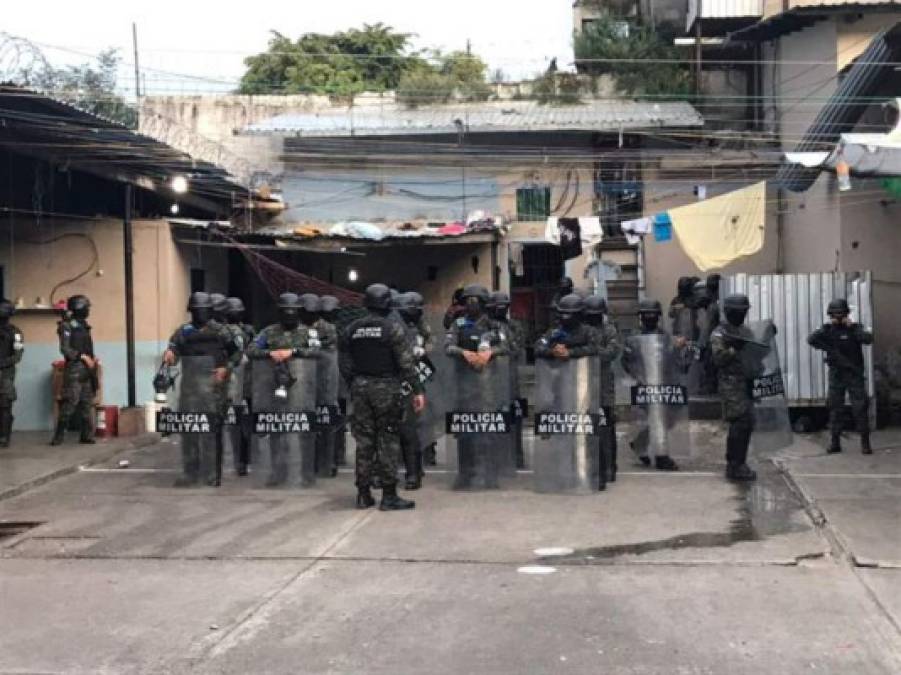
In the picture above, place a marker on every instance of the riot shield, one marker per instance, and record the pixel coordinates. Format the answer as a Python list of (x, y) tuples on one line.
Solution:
[(236, 421), (284, 423), (760, 359), (568, 421), (329, 419), (196, 417), (659, 418), (481, 420)]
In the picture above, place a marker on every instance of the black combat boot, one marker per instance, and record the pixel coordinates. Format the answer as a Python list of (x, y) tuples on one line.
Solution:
[(430, 455), (740, 473), (365, 500), (665, 463), (836, 445), (60, 434), (865, 447), (6, 427), (391, 502)]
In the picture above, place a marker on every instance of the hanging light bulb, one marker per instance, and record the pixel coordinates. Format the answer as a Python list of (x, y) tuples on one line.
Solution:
[(179, 184), (352, 275)]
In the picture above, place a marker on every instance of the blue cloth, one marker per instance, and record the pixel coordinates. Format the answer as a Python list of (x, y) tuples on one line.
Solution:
[(663, 227)]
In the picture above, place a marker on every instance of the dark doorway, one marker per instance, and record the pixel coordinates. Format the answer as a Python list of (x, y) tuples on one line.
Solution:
[(533, 290)]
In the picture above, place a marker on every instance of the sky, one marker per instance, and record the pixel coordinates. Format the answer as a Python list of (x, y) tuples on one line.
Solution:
[(198, 47)]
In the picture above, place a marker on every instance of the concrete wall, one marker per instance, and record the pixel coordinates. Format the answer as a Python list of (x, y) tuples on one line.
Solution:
[(36, 257)]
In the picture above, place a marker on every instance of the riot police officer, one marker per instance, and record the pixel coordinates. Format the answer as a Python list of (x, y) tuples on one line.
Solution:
[(607, 341), (726, 343), (498, 309), (649, 314), (80, 372), (378, 362), (242, 335), (410, 307), (466, 338), (202, 337), (220, 307), (12, 346), (843, 341), (571, 339)]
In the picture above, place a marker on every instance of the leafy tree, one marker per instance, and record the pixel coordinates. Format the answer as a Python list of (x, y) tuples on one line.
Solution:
[(643, 62), (93, 88), (458, 75), (373, 58)]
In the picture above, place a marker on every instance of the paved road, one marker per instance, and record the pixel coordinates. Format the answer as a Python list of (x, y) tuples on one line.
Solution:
[(664, 573)]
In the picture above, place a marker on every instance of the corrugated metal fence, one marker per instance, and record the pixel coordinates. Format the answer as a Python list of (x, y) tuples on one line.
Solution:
[(797, 305)]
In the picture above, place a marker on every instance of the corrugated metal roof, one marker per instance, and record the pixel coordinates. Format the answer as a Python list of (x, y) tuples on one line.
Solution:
[(609, 115)]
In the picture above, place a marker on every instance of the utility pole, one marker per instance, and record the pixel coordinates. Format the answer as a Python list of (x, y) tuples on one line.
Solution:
[(134, 42), (468, 47)]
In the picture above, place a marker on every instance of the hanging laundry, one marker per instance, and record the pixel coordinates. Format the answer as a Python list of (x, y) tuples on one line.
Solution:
[(570, 238), (588, 228), (636, 229), (663, 227), (722, 229), (517, 262), (591, 231)]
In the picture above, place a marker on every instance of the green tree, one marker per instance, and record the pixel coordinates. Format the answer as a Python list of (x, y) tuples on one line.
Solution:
[(643, 62), (93, 88), (458, 75), (345, 63)]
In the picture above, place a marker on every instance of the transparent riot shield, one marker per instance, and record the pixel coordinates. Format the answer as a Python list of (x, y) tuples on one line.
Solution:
[(659, 418), (328, 412), (195, 416), (760, 359), (284, 423), (236, 421), (568, 420), (481, 420)]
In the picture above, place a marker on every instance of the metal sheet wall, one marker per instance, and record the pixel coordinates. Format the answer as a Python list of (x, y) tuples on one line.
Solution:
[(797, 305)]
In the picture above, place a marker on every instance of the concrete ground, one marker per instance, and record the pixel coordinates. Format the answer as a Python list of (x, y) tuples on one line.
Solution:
[(113, 570)]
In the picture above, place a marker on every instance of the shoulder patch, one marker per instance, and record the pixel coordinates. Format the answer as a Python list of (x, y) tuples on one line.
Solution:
[(461, 322)]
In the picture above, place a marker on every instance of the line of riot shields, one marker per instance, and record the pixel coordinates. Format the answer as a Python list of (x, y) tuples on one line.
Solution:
[(286, 420)]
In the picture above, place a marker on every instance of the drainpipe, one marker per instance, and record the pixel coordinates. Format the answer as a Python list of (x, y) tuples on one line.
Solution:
[(128, 253)]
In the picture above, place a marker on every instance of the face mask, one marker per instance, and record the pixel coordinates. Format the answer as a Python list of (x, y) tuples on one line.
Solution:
[(473, 308), (82, 314), (412, 315), (289, 318), (649, 322), (307, 318), (569, 321), (200, 316), (594, 319), (736, 317)]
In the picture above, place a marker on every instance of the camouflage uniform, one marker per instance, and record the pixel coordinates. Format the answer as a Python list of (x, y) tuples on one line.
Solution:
[(844, 355), (276, 337), (326, 463), (242, 335), (580, 342), (465, 335), (375, 359), (79, 381), (11, 350), (606, 339), (734, 386), (214, 340)]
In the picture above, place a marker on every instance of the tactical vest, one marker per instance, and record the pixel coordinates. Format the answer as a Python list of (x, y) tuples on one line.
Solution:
[(80, 338), (848, 347), (203, 342), (7, 340), (371, 351)]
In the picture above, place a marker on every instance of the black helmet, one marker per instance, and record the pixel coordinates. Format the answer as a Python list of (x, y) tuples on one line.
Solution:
[(838, 307), (78, 303), (235, 305), (309, 302), (570, 305), (220, 303), (415, 300), (288, 301), (737, 302), (595, 305), (713, 284), (7, 309), (329, 303), (377, 296), (686, 286), (566, 286), (498, 299), (648, 306), (197, 300), (475, 291)]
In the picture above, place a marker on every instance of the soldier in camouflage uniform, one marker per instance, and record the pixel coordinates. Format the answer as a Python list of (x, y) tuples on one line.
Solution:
[(12, 346), (498, 309), (203, 337), (843, 341), (242, 335), (606, 339), (327, 334), (377, 361), (734, 385), (80, 373), (410, 307), (467, 332), (570, 339)]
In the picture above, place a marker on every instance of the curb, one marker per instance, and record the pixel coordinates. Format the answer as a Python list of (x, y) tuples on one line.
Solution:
[(139, 442)]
